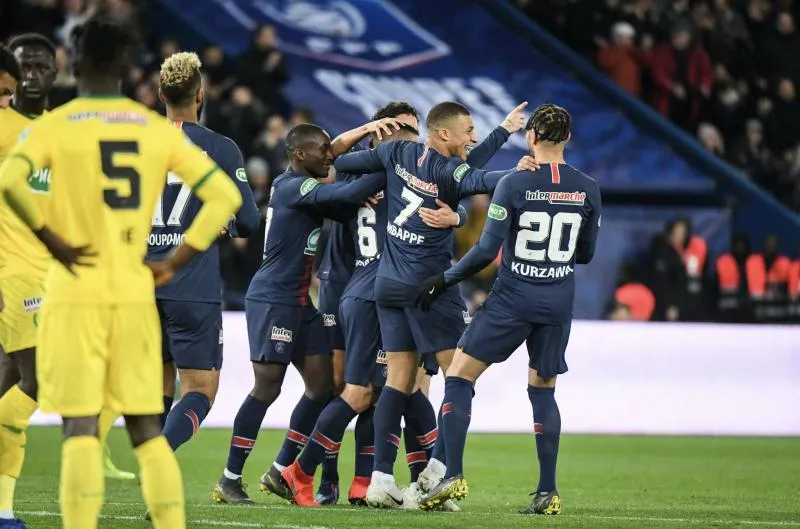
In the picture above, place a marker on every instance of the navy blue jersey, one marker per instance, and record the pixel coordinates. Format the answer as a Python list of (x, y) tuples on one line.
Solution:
[(337, 261), (368, 231), (297, 207), (546, 221), (416, 177), (175, 211)]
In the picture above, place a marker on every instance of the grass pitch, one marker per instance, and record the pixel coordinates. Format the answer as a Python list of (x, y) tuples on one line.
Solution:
[(604, 481)]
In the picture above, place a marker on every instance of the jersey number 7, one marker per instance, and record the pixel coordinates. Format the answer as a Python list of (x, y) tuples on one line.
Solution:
[(176, 214)]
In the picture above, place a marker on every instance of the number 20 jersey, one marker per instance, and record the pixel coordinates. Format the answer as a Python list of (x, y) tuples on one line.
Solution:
[(549, 220)]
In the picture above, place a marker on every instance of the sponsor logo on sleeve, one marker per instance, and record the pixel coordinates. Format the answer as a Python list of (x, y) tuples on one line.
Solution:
[(497, 212), (460, 171), (308, 185), (241, 175)]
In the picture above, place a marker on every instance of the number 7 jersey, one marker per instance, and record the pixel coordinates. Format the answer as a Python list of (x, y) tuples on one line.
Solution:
[(109, 158)]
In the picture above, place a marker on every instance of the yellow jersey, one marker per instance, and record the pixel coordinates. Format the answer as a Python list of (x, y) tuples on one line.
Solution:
[(21, 253), (110, 157)]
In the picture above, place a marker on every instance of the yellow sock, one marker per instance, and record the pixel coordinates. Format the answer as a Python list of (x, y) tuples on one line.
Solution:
[(7, 485), (162, 484), (105, 423), (82, 482), (16, 409)]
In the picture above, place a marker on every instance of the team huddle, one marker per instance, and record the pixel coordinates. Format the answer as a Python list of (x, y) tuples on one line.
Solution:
[(111, 285)]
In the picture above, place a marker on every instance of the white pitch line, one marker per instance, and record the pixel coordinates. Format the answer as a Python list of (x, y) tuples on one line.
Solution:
[(651, 519)]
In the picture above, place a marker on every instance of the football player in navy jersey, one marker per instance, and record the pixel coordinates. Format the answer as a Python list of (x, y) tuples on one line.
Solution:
[(190, 305), (418, 176), (546, 222), (283, 326)]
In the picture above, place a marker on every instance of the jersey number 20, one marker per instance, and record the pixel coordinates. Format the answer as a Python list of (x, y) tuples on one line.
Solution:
[(539, 227)]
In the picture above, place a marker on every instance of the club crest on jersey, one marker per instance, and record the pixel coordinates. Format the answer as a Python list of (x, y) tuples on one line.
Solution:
[(241, 175), (426, 188), (497, 212), (32, 304), (329, 320), (460, 171), (312, 242), (308, 185), (568, 198), (279, 334), (39, 182)]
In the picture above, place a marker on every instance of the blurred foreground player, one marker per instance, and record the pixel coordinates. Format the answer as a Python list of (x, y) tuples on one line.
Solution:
[(546, 221), (99, 340), (189, 306), (10, 75), (282, 324)]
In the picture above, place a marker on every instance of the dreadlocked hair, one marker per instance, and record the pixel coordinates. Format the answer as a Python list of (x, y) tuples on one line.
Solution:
[(550, 123), (9, 64), (180, 78), (103, 44)]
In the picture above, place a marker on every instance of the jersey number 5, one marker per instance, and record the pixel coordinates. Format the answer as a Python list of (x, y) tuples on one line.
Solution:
[(540, 226), (111, 195)]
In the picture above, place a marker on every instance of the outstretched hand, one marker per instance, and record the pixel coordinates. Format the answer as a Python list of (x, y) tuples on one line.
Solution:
[(430, 291), (527, 163), (444, 217), (381, 127), (515, 120), (65, 254)]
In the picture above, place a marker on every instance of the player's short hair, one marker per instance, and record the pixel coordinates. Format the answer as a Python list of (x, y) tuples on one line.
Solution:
[(103, 43), (9, 64), (32, 39), (550, 123), (441, 113), (180, 78), (393, 109), (301, 134)]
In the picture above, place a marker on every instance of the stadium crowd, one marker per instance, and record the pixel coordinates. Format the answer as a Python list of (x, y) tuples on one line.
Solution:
[(724, 70), (716, 69)]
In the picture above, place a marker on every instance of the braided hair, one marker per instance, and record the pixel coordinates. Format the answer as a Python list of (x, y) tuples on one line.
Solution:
[(551, 123)]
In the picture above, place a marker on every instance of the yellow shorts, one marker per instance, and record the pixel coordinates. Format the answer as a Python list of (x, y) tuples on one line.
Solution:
[(92, 357), (22, 299)]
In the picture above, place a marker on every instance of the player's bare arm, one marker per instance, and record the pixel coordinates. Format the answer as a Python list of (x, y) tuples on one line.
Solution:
[(347, 140)]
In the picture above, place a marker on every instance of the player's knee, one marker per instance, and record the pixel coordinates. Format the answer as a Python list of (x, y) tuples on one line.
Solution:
[(338, 383), (79, 426), (357, 397), (199, 381), (445, 359), (142, 428), (319, 390)]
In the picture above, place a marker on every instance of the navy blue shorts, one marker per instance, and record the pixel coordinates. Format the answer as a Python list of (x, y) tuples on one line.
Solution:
[(431, 365), (282, 333), (363, 338), (191, 334), (493, 335), (406, 328), (330, 295)]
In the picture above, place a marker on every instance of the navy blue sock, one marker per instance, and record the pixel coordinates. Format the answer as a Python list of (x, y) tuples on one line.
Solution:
[(416, 457), (422, 420), (456, 413), (365, 443), (439, 453), (245, 430), (301, 424), (185, 418), (547, 428), (167, 406), (326, 439), (388, 412)]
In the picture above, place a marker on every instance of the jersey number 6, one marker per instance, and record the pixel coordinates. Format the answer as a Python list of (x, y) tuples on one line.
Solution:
[(111, 195)]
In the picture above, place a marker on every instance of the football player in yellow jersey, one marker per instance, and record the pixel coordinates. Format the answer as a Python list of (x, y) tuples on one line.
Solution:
[(9, 77), (99, 338)]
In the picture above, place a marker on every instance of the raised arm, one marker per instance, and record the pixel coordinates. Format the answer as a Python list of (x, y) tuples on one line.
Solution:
[(361, 162), (347, 140), (313, 193), (480, 155)]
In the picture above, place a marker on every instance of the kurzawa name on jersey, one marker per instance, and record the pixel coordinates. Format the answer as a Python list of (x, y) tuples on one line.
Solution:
[(551, 272)]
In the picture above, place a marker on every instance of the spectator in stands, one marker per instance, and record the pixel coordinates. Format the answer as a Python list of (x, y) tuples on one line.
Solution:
[(682, 78), (728, 109), (65, 86), (622, 60), (75, 14), (778, 50), (242, 118), (753, 155), (668, 279), (768, 281), (301, 115), (733, 299), (270, 145), (785, 116), (711, 138), (219, 74), (634, 295), (264, 70), (258, 174), (619, 312)]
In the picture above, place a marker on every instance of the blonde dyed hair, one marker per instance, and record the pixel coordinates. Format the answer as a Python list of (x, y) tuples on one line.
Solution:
[(180, 77)]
